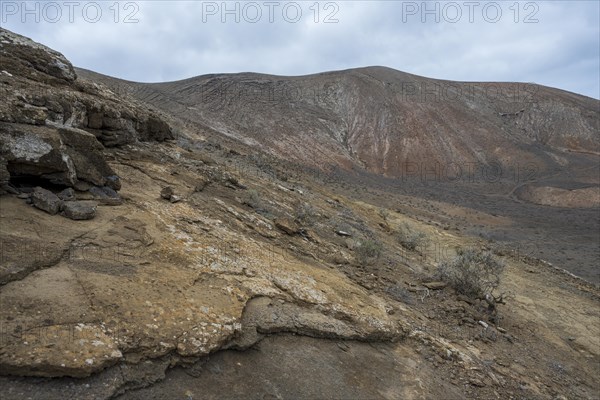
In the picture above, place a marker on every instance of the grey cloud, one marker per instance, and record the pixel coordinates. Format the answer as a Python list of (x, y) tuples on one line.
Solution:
[(171, 42)]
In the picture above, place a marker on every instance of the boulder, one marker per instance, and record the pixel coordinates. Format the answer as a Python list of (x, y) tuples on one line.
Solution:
[(86, 153), (46, 200), (154, 128), (79, 210)]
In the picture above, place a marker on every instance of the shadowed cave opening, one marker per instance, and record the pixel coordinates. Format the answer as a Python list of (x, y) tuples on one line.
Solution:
[(23, 180)]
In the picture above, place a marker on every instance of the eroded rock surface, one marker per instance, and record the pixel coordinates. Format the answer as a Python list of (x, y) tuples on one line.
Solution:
[(134, 303)]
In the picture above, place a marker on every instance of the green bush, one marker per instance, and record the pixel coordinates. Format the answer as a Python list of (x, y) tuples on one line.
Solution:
[(368, 251), (411, 239), (474, 273)]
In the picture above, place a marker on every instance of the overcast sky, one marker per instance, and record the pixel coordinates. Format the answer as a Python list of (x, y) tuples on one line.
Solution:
[(552, 43)]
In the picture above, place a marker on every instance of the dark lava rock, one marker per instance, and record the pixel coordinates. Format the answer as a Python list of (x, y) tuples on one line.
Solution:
[(79, 210), (46, 200), (67, 195)]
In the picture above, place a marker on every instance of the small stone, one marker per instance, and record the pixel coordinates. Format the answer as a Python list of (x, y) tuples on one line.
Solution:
[(175, 199), (476, 382), (78, 210), (464, 298), (502, 362), (343, 346), (46, 200), (435, 285), (97, 192), (166, 193), (82, 186), (67, 195), (113, 182), (484, 324), (343, 233), (494, 378), (110, 192), (501, 330), (105, 195)]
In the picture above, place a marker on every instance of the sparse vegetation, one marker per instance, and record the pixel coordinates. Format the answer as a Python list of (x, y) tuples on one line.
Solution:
[(400, 293), (384, 214), (473, 273), (305, 214), (411, 239), (368, 251), (253, 199)]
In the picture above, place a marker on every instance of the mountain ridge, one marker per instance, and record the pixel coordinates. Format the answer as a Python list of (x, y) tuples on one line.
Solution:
[(411, 117), (86, 72)]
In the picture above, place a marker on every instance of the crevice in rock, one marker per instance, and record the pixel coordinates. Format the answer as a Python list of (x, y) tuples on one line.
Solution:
[(21, 181)]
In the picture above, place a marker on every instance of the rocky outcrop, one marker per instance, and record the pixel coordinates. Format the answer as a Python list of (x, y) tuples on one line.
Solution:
[(35, 61), (60, 156), (115, 125), (55, 128)]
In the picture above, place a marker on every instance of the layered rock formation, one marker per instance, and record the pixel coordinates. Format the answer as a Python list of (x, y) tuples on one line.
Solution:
[(53, 127)]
